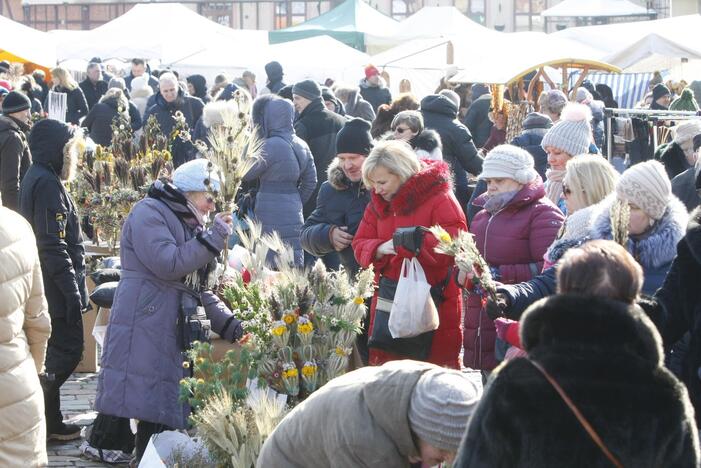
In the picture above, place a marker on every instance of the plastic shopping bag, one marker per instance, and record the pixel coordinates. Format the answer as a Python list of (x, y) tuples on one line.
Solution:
[(413, 310)]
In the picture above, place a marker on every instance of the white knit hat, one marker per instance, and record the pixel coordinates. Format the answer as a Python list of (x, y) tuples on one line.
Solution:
[(572, 133), (510, 162), (647, 186), (440, 406), (198, 175), (686, 131)]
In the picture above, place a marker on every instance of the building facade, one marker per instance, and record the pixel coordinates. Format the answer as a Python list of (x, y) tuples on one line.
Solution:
[(503, 15)]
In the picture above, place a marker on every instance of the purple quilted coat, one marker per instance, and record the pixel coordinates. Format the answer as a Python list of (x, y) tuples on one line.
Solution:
[(512, 240), (141, 362)]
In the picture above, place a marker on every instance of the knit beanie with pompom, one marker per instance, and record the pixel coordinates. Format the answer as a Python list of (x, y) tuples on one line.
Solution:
[(685, 102), (572, 133)]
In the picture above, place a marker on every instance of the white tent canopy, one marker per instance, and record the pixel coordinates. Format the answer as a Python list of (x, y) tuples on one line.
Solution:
[(299, 59), (26, 43), (170, 32), (595, 9), (643, 46)]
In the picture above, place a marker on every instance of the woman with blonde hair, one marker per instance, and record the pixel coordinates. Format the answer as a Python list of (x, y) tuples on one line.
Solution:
[(589, 179), (76, 104), (406, 196)]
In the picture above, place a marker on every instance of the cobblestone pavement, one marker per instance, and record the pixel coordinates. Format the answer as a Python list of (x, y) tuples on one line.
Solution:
[(77, 399)]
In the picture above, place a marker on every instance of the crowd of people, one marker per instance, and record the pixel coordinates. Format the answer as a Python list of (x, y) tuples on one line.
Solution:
[(591, 333)]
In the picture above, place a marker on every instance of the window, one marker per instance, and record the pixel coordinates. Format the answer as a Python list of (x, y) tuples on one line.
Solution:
[(281, 15), (299, 13), (290, 14), (473, 9), (399, 10), (527, 15)]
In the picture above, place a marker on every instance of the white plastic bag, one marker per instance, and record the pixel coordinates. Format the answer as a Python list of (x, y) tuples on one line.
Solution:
[(413, 310), (163, 445)]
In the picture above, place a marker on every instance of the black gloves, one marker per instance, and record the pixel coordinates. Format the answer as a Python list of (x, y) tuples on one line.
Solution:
[(410, 238), (496, 309)]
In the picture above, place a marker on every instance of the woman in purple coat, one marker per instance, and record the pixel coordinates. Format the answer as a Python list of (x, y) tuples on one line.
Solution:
[(165, 254), (512, 233)]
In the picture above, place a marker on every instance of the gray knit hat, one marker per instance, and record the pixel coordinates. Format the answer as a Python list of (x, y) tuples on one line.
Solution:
[(511, 162), (572, 133), (440, 406), (307, 89), (647, 186)]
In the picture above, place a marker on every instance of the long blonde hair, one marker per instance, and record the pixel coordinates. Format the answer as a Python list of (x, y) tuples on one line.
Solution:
[(64, 78), (590, 178)]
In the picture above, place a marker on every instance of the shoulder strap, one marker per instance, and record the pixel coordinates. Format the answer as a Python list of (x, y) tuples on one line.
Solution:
[(580, 417)]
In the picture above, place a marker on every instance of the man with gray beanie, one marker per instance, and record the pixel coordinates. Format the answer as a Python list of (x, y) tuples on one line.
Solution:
[(15, 157), (317, 126), (389, 416)]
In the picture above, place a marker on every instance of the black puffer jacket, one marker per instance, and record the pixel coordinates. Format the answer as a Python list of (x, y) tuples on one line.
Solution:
[(477, 119), (191, 107), (375, 95), (680, 301), (15, 159), (77, 106), (607, 356), (684, 188), (530, 141), (318, 127), (440, 114), (340, 203), (99, 120), (673, 157), (48, 207)]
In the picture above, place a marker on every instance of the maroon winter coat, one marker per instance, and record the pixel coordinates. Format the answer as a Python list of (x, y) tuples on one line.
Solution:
[(426, 199), (514, 240)]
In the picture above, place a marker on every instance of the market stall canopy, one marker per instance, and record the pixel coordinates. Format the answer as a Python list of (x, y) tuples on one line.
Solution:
[(178, 33), (642, 46), (595, 9), (353, 22), (511, 56), (299, 59), (20, 43), (436, 22)]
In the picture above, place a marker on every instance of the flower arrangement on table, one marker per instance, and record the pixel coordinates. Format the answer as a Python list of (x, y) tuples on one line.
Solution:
[(110, 180)]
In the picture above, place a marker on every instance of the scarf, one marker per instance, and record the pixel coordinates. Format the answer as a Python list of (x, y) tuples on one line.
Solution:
[(496, 202), (553, 186), (176, 201)]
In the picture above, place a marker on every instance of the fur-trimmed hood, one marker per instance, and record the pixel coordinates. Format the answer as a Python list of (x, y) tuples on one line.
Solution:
[(57, 146), (337, 178), (434, 178), (655, 248), (571, 320), (427, 144), (575, 231)]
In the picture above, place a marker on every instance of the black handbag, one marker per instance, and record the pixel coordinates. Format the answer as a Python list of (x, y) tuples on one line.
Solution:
[(417, 347)]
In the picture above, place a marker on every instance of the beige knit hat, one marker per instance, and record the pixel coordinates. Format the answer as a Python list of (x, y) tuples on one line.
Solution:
[(440, 406), (647, 186)]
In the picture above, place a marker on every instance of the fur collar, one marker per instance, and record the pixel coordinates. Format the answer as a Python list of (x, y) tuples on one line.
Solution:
[(434, 178), (574, 232), (72, 152), (585, 321), (338, 180), (659, 246)]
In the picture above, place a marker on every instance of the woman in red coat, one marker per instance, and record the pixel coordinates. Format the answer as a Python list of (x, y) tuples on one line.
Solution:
[(406, 192), (512, 232)]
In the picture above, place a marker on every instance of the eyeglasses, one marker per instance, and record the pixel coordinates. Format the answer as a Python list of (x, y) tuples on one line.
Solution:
[(209, 199), (566, 190), (401, 130)]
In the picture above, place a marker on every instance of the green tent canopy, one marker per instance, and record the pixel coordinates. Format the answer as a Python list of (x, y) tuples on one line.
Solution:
[(353, 23)]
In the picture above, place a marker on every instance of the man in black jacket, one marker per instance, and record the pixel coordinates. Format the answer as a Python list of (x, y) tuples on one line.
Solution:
[(139, 68), (169, 100), (48, 207), (373, 88), (477, 117), (318, 127), (440, 112), (15, 157), (93, 87), (341, 203)]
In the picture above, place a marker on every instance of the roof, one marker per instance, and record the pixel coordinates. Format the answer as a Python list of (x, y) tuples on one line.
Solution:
[(349, 23), (595, 9)]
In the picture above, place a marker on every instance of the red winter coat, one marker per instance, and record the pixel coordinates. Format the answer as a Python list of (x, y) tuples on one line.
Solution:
[(514, 239), (426, 199)]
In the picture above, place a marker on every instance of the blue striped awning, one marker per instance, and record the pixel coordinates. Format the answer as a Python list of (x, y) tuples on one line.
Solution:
[(628, 88)]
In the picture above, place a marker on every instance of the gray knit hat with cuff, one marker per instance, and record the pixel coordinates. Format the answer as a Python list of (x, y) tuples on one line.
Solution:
[(308, 89), (572, 133), (647, 186), (509, 162), (440, 407)]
